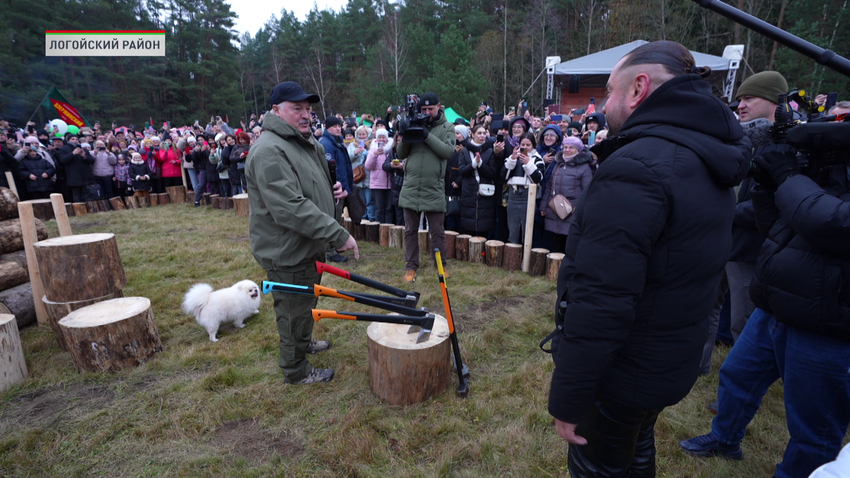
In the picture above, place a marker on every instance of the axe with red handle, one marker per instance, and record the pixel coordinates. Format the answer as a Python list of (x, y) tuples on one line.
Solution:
[(411, 298)]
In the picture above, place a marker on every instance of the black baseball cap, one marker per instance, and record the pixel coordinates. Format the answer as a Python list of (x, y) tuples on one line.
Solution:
[(290, 91), (430, 99)]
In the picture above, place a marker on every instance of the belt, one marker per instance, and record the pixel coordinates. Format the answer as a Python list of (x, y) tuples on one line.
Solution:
[(517, 187)]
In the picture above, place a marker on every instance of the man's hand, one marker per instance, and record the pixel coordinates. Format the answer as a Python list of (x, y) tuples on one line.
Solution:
[(339, 193), (567, 431), (498, 147), (350, 244), (780, 166), (458, 147)]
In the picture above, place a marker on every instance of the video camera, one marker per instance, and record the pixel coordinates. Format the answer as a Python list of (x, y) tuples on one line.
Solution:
[(412, 122)]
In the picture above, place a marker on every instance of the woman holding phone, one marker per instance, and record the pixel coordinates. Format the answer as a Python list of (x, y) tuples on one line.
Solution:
[(357, 152), (523, 167)]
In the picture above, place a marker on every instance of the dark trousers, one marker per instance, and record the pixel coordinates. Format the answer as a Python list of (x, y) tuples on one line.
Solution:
[(384, 213), (620, 443), (225, 188), (105, 182), (78, 193), (411, 236)]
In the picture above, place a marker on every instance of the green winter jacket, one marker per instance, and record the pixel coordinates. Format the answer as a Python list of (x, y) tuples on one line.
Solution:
[(424, 186), (292, 204)]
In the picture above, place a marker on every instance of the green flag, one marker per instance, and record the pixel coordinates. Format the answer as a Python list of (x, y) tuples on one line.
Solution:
[(54, 101)]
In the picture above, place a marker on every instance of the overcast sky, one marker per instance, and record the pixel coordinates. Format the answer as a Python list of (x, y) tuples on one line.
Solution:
[(253, 14)]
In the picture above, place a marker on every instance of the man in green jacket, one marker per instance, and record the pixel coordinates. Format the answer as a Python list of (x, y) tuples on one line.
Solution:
[(424, 187), (292, 222)]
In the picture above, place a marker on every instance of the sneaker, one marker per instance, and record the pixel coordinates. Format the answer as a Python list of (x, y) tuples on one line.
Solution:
[(410, 276), (317, 346), (337, 258), (714, 406), (197, 204), (316, 376), (707, 445)]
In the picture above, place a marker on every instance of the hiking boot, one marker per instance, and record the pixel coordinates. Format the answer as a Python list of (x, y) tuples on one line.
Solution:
[(713, 407), (317, 346), (410, 276), (337, 258), (707, 445), (316, 376)]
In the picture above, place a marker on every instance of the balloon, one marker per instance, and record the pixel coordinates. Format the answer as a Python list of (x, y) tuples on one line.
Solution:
[(61, 125), (73, 129)]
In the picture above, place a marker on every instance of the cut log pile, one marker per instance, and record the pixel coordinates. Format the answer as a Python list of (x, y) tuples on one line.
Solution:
[(15, 290)]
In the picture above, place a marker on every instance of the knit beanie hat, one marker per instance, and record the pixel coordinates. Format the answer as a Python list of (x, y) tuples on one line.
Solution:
[(463, 130), (332, 121), (576, 125), (382, 132), (767, 84), (574, 142)]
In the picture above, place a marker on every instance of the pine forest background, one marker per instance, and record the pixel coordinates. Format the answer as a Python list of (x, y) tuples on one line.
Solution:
[(372, 52)]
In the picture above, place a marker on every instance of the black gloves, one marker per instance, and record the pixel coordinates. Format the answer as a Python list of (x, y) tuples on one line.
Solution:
[(775, 167)]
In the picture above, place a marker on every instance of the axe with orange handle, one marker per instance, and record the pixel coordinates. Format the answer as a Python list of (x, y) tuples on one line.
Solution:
[(425, 323), (462, 371)]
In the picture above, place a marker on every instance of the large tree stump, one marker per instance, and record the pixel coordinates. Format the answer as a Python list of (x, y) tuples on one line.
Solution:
[(12, 274), (60, 212), (144, 201), (103, 205), (154, 199), (11, 238), (112, 335), (462, 247), (553, 264), (402, 372), (537, 264), (132, 202), (397, 237), (80, 208), (218, 202), (42, 209), (161, 198), (190, 197), (117, 203), (8, 204), (81, 267), (424, 242), (19, 301), (495, 250), (57, 311), (241, 205), (373, 232), (93, 207), (384, 234), (176, 194), (476, 249), (451, 240), (512, 260), (13, 367)]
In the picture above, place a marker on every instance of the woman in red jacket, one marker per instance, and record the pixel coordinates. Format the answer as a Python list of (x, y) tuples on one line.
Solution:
[(169, 161)]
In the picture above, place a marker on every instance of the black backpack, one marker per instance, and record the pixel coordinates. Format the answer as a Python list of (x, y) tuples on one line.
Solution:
[(93, 192)]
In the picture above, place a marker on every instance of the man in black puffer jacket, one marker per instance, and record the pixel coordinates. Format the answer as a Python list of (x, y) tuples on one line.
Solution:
[(643, 260)]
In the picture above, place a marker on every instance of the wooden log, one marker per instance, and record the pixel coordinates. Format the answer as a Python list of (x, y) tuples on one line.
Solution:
[(176, 194), (60, 212), (476, 249), (161, 199), (18, 257), (11, 239), (29, 235), (218, 202), (12, 274), (462, 247), (132, 202), (10, 180), (117, 203), (190, 197), (529, 226), (92, 207), (384, 234), (80, 208), (154, 199), (13, 367), (424, 242), (103, 205), (205, 199), (143, 201), (57, 311), (112, 335), (512, 260), (537, 264), (553, 264), (42, 209), (241, 205), (19, 301), (451, 240), (8, 204), (69, 209), (80, 267), (348, 225), (402, 372), (228, 202), (373, 233), (397, 237), (495, 251)]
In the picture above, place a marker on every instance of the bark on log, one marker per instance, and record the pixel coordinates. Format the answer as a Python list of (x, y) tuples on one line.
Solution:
[(512, 260), (42, 209), (397, 237), (60, 212), (373, 233), (154, 199), (19, 257), (117, 203), (176, 194), (112, 335), (402, 372), (228, 202), (81, 267), (451, 240), (8, 204), (553, 264), (144, 201), (103, 205), (69, 209), (424, 242), (384, 234), (190, 197), (537, 264), (57, 311), (161, 199), (348, 226), (218, 202), (205, 199), (80, 208), (462, 247), (92, 207), (11, 239), (241, 205), (20, 303), (12, 274), (13, 367), (132, 202), (476, 249), (495, 250)]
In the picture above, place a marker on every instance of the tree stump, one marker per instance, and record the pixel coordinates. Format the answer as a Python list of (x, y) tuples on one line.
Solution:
[(12, 274), (176, 194), (462, 247), (424, 242), (537, 264), (144, 201), (553, 264), (451, 240), (190, 197), (112, 335), (57, 311), (132, 202), (80, 208), (495, 250), (373, 233), (348, 226), (161, 199), (476, 249), (228, 202), (218, 202), (60, 212), (42, 209), (8, 204), (154, 199), (13, 367), (512, 260), (402, 372), (69, 209), (241, 205), (205, 199), (19, 301), (397, 237), (117, 204), (103, 205), (81, 267), (94, 207), (384, 234)]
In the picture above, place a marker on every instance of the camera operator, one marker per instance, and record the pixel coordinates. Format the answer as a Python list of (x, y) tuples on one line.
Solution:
[(424, 182)]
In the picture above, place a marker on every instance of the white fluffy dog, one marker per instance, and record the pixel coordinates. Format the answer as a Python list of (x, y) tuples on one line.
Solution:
[(213, 308)]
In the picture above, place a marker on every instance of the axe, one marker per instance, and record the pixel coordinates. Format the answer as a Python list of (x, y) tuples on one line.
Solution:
[(425, 323)]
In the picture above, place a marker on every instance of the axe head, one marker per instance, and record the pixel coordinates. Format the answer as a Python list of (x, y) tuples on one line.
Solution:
[(424, 329)]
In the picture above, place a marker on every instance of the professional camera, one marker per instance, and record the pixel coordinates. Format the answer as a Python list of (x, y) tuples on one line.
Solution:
[(412, 122), (821, 142)]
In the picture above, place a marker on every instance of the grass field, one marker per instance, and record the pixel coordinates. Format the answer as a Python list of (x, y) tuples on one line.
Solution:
[(221, 409)]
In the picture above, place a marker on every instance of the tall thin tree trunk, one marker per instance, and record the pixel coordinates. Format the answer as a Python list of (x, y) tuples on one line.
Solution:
[(778, 25), (505, 63)]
